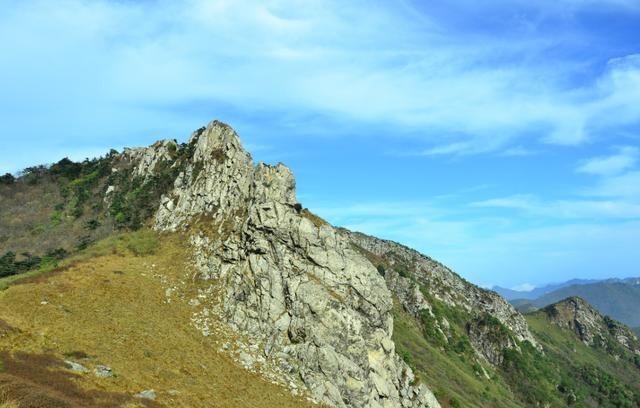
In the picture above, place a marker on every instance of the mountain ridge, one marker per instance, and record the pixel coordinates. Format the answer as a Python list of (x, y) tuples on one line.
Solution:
[(335, 316), (618, 298)]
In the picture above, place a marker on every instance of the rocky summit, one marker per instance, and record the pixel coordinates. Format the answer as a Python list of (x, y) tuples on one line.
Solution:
[(314, 313), (589, 325)]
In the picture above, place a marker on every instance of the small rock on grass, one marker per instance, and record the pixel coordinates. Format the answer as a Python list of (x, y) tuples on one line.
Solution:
[(103, 371), (147, 394), (76, 367)]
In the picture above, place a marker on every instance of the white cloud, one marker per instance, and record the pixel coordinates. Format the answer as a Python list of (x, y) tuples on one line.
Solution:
[(625, 158), (524, 287), (624, 186), (571, 208), (517, 151), (74, 61), (453, 148)]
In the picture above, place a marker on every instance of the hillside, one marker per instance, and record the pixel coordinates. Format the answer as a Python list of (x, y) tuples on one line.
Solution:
[(598, 355), (473, 350), (619, 298), (124, 303), (198, 279)]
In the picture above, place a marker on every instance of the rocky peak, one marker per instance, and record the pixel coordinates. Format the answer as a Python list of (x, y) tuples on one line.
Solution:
[(314, 314), (217, 141), (147, 159), (219, 180), (591, 327)]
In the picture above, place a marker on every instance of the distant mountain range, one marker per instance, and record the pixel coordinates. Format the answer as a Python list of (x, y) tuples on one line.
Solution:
[(618, 298), (535, 293)]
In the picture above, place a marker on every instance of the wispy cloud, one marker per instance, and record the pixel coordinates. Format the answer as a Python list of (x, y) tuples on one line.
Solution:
[(566, 209), (423, 76), (623, 186), (625, 158), (453, 148), (517, 151)]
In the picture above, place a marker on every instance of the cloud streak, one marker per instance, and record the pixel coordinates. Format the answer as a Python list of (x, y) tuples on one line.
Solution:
[(625, 158), (128, 59)]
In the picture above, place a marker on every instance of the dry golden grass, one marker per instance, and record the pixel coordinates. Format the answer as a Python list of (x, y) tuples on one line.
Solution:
[(315, 219), (109, 307)]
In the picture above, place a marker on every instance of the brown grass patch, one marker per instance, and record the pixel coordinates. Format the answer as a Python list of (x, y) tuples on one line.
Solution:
[(316, 220), (5, 328), (125, 322), (38, 381)]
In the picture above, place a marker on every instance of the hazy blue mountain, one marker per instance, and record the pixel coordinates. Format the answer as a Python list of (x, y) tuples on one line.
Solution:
[(511, 294), (618, 298)]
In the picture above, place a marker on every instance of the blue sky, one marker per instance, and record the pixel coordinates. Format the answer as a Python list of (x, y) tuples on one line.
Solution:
[(500, 137)]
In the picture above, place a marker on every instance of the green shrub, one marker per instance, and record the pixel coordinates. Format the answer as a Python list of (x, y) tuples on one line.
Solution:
[(7, 179), (66, 168), (48, 263), (9, 265), (56, 217), (142, 243), (462, 345), (401, 270), (84, 242)]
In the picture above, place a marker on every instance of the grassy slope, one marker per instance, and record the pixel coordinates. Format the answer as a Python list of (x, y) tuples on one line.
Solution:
[(446, 373), (569, 355), (111, 305)]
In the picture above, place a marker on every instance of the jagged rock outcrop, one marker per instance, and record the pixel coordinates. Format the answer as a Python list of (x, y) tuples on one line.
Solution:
[(146, 159), (446, 286), (490, 338), (589, 325), (314, 312)]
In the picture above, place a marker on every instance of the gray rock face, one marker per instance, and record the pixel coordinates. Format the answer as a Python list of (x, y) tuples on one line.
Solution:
[(146, 159), (489, 340), (315, 313), (589, 325), (446, 286)]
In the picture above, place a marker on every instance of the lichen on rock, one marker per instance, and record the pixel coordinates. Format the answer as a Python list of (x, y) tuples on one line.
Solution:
[(316, 314)]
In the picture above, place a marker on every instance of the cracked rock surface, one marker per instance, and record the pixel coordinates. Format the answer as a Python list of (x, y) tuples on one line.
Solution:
[(314, 313)]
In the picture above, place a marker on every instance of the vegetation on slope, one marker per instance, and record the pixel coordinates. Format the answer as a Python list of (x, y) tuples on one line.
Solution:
[(457, 378), (565, 373), (49, 212), (589, 376)]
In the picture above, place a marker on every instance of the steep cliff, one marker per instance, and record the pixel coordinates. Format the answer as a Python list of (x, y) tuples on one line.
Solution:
[(313, 313)]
